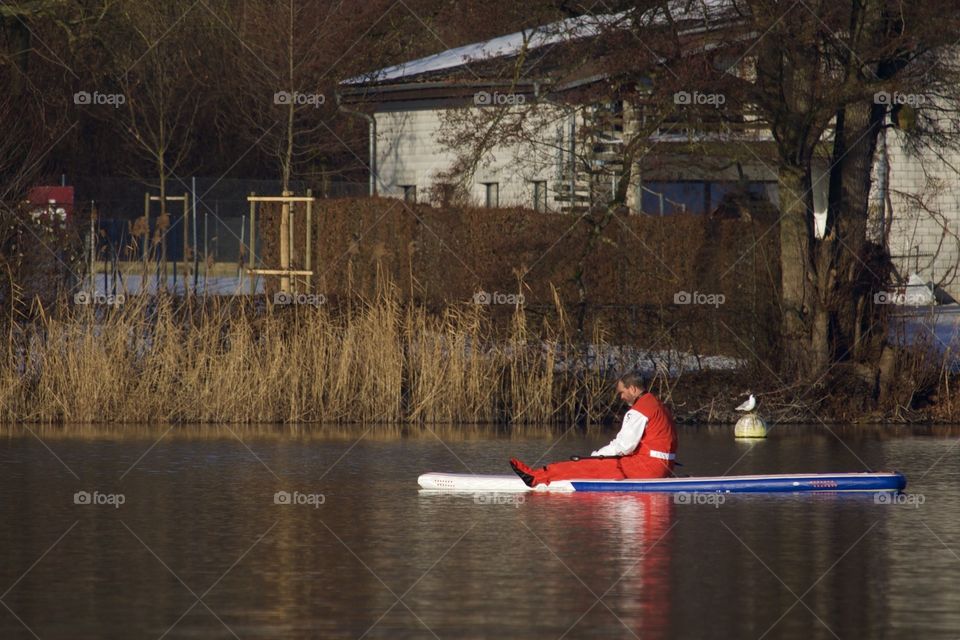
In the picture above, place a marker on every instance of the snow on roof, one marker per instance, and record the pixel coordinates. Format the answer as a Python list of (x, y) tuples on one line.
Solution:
[(562, 31), (565, 30)]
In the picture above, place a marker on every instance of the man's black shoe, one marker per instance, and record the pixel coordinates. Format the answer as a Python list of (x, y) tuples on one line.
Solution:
[(526, 477)]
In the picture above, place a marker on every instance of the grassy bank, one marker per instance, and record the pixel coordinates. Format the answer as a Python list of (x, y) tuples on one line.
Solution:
[(167, 360)]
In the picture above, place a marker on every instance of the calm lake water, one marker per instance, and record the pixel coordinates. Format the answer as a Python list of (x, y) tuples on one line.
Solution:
[(187, 540)]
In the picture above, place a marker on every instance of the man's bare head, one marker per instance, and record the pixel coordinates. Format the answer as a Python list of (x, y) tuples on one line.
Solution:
[(631, 386)]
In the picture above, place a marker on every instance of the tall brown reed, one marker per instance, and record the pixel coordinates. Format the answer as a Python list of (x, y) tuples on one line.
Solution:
[(171, 360)]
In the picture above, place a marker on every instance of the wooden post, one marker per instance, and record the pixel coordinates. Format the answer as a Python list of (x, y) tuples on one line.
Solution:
[(253, 244), (293, 245), (243, 230), (146, 235), (309, 234), (285, 236), (92, 241), (206, 250), (145, 239), (186, 242)]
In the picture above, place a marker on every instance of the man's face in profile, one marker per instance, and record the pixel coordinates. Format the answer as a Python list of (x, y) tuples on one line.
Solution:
[(628, 394)]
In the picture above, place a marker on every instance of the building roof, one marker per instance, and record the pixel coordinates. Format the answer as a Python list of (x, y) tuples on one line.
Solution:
[(694, 14), (501, 46)]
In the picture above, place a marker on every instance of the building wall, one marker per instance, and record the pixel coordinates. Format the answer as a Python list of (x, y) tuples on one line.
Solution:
[(919, 195), (410, 151)]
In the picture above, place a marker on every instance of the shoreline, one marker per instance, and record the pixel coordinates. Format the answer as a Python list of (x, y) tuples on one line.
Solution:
[(172, 361)]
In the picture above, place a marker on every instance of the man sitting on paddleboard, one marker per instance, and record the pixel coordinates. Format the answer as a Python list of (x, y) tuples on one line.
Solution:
[(645, 447)]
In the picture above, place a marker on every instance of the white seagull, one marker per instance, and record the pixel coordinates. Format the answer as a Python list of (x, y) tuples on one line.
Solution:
[(749, 405)]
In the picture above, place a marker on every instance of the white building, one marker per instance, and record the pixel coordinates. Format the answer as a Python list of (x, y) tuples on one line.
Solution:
[(419, 110), (916, 198)]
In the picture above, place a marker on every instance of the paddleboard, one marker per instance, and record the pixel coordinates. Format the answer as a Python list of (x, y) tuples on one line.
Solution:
[(775, 483)]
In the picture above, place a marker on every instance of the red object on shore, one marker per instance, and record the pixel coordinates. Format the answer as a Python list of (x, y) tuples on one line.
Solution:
[(62, 198)]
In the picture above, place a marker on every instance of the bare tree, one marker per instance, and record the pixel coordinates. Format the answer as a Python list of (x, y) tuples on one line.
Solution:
[(810, 76), (284, 59), (162, 97)]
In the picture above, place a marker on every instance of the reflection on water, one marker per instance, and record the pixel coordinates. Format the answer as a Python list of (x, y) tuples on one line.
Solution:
[(199, 546), (447, 432), (352, 432)]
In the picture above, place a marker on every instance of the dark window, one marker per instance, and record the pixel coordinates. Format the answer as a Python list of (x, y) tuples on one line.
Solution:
[(692, 196), (409, 193), (540, 195), (491, 194), (667, 198)]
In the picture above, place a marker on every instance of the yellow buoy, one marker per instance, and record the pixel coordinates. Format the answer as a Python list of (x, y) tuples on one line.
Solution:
[(750, 425)]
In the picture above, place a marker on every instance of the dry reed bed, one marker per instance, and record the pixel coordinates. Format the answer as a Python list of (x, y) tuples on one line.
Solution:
[(165, 360)]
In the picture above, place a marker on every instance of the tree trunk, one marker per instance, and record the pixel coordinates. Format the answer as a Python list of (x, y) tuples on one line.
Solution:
[(861, 271), (795, 268), (850, 191)]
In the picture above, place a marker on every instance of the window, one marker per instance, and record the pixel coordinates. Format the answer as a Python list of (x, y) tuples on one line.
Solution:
[(409, 193), (540, 195), (693, 196), (492, 194), (665, 198)]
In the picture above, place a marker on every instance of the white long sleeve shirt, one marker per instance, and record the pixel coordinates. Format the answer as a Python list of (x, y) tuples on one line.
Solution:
[(627, 440)]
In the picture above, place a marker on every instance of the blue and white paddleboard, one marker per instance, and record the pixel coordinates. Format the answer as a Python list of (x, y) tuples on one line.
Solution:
[(775, 483)]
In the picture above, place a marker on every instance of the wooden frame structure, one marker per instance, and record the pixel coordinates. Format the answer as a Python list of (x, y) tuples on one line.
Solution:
[(286, 240)]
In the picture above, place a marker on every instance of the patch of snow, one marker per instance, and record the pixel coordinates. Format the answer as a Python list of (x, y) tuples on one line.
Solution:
[(916, 293), (211, 285), (628, 358)]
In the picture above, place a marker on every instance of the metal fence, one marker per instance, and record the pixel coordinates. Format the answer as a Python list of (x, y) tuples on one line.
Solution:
[(214, 218), (202, 245)]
